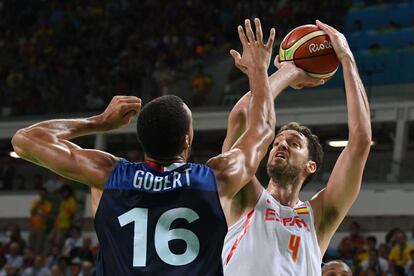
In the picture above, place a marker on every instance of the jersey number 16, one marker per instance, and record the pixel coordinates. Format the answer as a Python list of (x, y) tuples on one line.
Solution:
[(162, 235)]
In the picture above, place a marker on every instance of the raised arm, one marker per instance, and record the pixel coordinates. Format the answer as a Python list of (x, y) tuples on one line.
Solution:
[(286, 75), (332, 203), (47, 143), (233, 169)]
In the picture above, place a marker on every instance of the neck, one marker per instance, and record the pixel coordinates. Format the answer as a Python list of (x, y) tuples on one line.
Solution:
[(166, 161), (287, 195)]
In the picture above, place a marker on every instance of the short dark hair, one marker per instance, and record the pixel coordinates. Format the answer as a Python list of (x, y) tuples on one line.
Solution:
[(162, 125), (372, 238), (314, 147)]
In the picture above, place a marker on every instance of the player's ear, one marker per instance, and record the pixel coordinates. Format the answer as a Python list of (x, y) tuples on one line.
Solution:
[(311, 166), (187, 142)]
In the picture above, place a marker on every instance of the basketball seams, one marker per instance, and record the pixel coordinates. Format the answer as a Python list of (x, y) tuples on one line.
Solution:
[(333, 51), (323, 75), (286, 39), (306, 38), (289, 53), (301, 58), (302, 51)]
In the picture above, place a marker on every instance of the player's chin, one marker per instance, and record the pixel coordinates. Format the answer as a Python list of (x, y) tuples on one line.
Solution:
[(276, 165)]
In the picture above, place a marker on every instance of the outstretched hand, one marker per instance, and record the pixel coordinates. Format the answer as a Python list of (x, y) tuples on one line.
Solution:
[(301, 78), (120, 111), (255, 52)]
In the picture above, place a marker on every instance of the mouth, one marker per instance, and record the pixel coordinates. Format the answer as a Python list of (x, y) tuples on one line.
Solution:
[(281, 155)]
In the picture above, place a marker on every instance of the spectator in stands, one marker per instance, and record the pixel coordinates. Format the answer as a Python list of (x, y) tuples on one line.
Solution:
[(63, 220), (42, 52), (28, 257), (73, 242), (384, 251), (38, 268), (336, 268), (409, 266), (390, 237), (400, 253), (375, 263), (410, 239), (62, 268), (16, 237), (40, 215), (363, 254), (3, 262), (201, 84), (54, 183), (85, 253), (87, 269), (350, 245), (14, 259), (53, 257)]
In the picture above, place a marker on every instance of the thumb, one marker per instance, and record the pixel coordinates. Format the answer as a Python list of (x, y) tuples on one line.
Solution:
[(236, 55), (277, 62)]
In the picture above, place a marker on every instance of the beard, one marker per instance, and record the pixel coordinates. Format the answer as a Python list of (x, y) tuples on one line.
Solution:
[(283, 173)]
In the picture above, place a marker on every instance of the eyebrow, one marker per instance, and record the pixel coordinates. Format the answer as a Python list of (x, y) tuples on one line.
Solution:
[(297, 136)]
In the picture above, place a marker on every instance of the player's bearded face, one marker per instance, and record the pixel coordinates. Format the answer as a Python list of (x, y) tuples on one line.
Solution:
[(283, 170)]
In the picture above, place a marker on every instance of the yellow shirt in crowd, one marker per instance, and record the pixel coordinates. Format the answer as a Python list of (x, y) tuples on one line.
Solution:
[(66, 211), (398, 257)]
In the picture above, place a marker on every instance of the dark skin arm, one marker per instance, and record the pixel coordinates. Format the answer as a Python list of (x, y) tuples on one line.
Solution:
[(47, 143)]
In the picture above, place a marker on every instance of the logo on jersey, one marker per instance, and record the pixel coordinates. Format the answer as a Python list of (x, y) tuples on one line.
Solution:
[(302, 210), (295, 221)]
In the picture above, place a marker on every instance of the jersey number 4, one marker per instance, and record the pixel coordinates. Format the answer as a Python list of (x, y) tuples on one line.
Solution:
[(163, 234), (294, 242)]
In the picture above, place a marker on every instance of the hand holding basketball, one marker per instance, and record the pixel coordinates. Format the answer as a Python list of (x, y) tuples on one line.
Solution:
[(338, 40), (120, 111), (301, 78), (310, 48), (255, 52)]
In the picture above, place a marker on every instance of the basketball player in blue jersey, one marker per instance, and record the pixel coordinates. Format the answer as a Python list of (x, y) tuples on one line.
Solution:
[(271, 231), (163, 216)]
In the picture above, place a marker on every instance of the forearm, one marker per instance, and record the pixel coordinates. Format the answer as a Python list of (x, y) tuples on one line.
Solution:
[(359, 121), (278, 82), (261, 111), (68, 129)]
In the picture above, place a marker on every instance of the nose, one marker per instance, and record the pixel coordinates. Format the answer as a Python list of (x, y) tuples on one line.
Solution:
[(283, 145)]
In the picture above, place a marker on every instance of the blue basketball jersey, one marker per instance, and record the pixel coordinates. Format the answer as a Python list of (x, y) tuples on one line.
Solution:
[(160, 222)]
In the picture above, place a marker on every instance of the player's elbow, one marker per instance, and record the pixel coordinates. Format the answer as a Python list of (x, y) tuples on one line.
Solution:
[(22, 140), (18, 142), (361, 141)]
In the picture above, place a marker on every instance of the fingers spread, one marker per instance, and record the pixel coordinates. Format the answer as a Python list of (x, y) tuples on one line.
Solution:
[(259, 32), (269, 43), (242, 36), (236, 55), (249, 31)]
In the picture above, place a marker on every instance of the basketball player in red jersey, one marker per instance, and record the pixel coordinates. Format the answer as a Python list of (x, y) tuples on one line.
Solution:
[(272, 232)]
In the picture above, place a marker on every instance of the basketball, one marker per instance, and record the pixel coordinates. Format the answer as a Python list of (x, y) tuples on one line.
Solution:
[(311, 50)]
